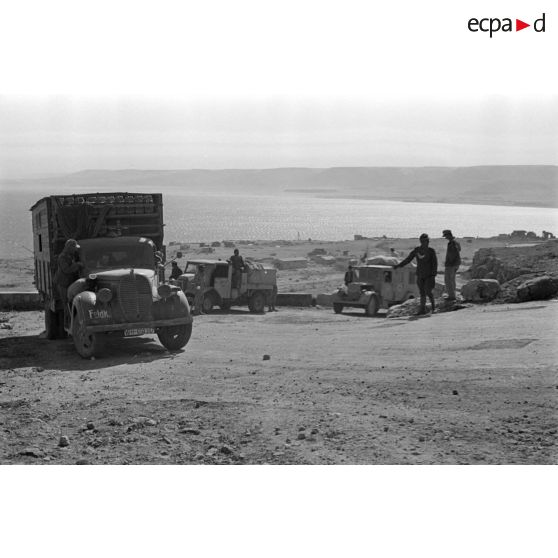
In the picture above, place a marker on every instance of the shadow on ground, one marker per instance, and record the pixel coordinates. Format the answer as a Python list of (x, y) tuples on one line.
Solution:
[(34, 351)]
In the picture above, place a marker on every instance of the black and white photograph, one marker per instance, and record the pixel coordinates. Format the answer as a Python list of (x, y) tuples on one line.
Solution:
[(280, 244)]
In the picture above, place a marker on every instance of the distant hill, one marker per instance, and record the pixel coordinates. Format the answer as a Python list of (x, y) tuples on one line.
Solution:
[(535, 185)]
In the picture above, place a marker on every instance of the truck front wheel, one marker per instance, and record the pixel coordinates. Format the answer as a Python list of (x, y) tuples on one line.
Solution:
[(337, 308), (256, 303), (175, 337), (87, 344)]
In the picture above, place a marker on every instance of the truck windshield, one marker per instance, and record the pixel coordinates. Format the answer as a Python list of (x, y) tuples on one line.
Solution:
[(117, 256), (191, 268)]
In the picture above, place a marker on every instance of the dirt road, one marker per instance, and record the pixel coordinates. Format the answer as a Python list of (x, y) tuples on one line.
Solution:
[(474, 386)]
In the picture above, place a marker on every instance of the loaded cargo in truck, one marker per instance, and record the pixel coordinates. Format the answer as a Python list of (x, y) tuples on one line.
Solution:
[(119, 288)]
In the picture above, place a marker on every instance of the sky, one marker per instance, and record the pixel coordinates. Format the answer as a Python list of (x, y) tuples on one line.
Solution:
[(178, 85)]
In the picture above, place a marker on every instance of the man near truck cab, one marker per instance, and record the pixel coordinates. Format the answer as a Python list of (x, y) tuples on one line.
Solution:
[(350, 276), (237, 263), (199, 281), (452, 263), (176, 272), (427, 268), (68, 269)]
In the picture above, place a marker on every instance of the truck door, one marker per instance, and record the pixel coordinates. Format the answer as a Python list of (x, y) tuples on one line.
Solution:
[(388, 287), (222, 280)]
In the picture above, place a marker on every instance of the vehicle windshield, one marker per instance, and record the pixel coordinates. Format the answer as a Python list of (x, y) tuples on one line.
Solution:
[(191, 268), (116, 256)]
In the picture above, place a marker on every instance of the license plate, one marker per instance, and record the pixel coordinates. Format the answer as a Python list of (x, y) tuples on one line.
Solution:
[(138, 331)]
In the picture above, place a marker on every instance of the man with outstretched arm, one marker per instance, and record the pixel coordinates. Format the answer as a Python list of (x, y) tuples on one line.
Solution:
[(427, 268)]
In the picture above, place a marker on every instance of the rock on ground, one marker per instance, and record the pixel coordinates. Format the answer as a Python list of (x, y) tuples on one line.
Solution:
[(480, 290), (538, 288)]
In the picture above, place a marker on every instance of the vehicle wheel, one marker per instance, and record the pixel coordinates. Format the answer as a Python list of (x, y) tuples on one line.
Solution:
[(52, 325), (175, 337), (225, 305), (207, 303), (256, 304), (337, 308), (87, 344), (373, 306)]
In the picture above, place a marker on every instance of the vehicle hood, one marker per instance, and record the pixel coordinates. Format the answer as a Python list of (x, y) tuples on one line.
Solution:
[(117, 274)]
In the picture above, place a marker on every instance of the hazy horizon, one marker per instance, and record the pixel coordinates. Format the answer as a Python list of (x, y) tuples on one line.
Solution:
[(53, 135)]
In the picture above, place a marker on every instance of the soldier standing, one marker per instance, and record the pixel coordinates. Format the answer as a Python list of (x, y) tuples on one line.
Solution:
[(237, 263), (67, 272), (200, 289), (452, 263), (427, 268)]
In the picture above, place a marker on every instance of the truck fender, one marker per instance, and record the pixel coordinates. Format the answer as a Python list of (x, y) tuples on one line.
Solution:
[(82, 303)]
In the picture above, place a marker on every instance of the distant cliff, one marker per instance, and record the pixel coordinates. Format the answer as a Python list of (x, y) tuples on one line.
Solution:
[(535, 185)]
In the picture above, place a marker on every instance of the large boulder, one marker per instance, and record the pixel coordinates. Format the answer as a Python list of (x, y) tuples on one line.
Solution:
[(480, 290), (538, 288)]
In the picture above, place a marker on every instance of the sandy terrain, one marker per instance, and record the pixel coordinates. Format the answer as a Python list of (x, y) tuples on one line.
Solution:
[(474, 386)]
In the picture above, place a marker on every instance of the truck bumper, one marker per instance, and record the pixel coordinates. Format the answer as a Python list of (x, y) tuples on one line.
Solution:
[(105, 328)]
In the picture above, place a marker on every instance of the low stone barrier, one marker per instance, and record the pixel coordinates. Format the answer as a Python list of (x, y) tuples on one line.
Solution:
[(20, 301), (294, 299)]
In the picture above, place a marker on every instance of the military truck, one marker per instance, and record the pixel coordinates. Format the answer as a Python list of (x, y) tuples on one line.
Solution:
[(256, 284), (376, 287), (121, 289)]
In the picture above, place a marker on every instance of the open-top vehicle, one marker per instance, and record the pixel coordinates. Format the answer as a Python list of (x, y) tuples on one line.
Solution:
[(256, 284), (376, 287)]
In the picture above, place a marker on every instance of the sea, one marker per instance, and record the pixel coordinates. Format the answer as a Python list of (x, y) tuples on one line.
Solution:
[(202, 218)]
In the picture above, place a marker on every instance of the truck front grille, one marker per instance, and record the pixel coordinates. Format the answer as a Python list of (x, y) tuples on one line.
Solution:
[(134, 294)]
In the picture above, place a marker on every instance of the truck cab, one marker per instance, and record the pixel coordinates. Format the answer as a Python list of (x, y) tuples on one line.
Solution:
[(376, 287)]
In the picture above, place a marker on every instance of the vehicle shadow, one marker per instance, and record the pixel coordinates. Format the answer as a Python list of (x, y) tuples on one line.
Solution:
[(35, 351)]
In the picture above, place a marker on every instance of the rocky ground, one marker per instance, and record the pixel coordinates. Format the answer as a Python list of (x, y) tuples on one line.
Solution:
[(300, 386)]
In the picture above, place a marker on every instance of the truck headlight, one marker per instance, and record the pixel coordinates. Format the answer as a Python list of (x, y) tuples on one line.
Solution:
[(104, 295), (164, 291)]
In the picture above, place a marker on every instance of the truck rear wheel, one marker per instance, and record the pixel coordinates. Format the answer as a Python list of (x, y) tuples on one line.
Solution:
[(175, 337), (87, 344), (207, 303), (256, 303), (338, 308)]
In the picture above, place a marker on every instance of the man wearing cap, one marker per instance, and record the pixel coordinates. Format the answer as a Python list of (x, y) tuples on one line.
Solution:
[(452, 263), (350, 276), (427, 268), (68, 269)]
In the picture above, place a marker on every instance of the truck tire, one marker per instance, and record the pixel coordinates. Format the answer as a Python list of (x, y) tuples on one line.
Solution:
[(373, 306), (52, 325), (87, 344), (207, 303), (256, 303), (337, 308), (174, 338)]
